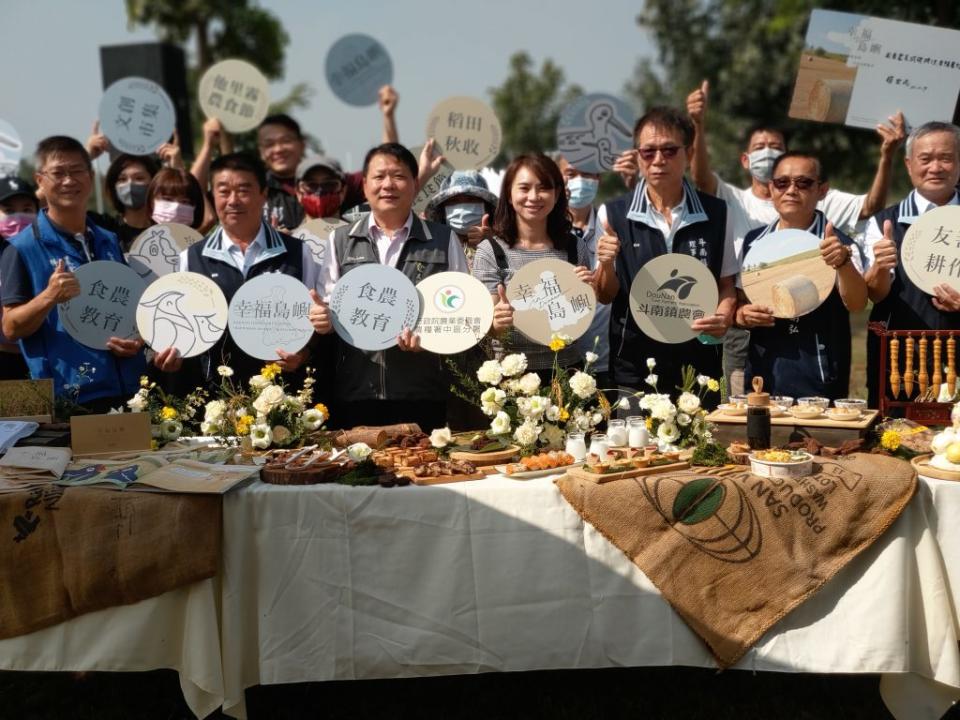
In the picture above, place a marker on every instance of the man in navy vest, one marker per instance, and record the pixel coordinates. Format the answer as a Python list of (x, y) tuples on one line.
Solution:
[(242, 247), (36, 275), (933, 163), (664, 214), (809, 355), (399, 384)]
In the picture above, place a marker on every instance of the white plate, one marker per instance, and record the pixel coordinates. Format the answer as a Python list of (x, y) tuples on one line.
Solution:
[(529, 474), (812, 414), (806, 458), (733, 410), (846, 417)]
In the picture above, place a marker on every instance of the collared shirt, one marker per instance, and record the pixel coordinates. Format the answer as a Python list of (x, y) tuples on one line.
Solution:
[(911, 207)]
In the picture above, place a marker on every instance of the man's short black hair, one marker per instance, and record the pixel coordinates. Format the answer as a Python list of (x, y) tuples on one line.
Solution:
[(768, 128), (242, 162), (60, 145), (283, 120), (669, 118), (395, 150), (821, 173)]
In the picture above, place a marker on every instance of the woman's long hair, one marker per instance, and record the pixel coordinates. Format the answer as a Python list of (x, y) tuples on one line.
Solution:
[(559, 224)]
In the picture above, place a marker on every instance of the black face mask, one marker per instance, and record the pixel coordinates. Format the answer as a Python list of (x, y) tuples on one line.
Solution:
[(132, 195)]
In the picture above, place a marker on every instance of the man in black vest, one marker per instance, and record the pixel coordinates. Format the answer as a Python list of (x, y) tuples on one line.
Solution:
[(399, 384), (242, 247), (933, 163), (664, 214)]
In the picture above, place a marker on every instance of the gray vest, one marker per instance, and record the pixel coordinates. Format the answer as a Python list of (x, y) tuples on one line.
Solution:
[(392, 374)]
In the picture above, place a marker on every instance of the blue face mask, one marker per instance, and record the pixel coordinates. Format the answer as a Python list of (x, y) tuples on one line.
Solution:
[(583, 190), (463, 216)]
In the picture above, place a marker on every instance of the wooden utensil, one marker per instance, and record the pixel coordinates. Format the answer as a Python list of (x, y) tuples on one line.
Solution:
[(937, 365), (895, 366), (951, 365), (923, 377), (908, 369)]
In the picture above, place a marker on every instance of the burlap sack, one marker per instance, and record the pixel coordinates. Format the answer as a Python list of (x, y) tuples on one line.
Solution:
[(65, 553), (732, 552)]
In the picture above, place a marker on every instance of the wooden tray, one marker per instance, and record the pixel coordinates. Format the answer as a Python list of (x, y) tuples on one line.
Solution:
[(494, 457), (601, 478), (862, 424), (440, 479), (922, 466)]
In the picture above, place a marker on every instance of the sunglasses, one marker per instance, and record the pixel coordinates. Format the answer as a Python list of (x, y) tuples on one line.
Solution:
[(802, 183), (649, 153)]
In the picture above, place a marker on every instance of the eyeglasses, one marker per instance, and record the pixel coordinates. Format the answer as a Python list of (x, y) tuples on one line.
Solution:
[(322, 188), (60, 174), (649, 153), (802, 183)]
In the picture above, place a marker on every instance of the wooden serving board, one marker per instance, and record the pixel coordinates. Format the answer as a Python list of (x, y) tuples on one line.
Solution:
[(865, 421), (601, 478), (494, 457), (921, 464), (440, 479)]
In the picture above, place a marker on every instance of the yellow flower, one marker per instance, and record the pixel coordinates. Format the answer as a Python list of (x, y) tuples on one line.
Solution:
[(649, 423), (564, 415), (168, 413), (144, 381), (154, 445), (270, 371), (323, 409), (558, 342), (713, 385), (243, 424), (890, 440)]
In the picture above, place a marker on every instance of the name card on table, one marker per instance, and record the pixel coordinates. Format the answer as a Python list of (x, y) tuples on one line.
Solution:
[(102, 434)]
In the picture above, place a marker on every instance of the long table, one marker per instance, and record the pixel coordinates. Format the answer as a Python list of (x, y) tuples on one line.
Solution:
[(330, 582)]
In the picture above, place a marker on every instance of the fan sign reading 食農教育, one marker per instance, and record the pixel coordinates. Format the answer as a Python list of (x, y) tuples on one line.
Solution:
[(137, 115), (670, 292), (315, 232), (466, 131), (784, 271), (456, 312), (182, 310), (357, 66), (106, 306), (931, 249), (268, 313), (236, 93), (548, 298), (593, 130), (156, 251), (372, 304)]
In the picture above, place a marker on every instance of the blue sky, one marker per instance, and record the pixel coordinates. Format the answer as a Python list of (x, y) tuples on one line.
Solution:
[(439, 48), (823, 22)]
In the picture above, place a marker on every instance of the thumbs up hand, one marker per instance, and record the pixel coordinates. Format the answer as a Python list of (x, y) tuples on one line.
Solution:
[(608, 245), (697, 103), (62, 285), (97, 143), (319, 315), (833, 252), (502, 311), (885, 251), (481, 232)]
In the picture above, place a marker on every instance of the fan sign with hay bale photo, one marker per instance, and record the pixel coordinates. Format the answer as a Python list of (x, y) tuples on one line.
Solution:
[(784, 271)]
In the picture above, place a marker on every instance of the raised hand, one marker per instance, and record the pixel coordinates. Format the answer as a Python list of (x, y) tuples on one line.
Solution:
[(481, 232), (697, 103), (168, 360), (429, 164), (62, 285), (319, 315), (502, 310), (97, 143), (608, 245), (627, 166), (289, 362), (169, 153), (833, 252), (885, 251), (893, 135), (387, 99)]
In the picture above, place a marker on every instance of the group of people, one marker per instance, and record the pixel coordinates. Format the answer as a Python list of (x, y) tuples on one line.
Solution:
[(248, 205)]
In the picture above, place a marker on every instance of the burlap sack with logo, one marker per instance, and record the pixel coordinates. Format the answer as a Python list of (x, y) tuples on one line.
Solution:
[(733, 553), (68, 552)]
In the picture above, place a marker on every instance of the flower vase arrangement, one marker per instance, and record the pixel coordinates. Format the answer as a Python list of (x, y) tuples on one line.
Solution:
[(170, 416)]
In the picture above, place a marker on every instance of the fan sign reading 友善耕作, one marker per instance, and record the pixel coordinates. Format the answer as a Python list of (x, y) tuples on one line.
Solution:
[(372, 304), (456, 312), (315, 233), (268, 313), (11, 149), (432, 186), (784, 271), (106, 306), (467, 132), (548, 298), (137, 115), (357, 66), (593, 130), (931, 249), (156, 251), (182, 310), (236, 93), (860, 70), (669, 293)]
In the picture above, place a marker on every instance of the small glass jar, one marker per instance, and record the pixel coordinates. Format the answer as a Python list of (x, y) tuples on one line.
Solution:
[(576, 446), (600, 446), (617, 433), (637, 434)]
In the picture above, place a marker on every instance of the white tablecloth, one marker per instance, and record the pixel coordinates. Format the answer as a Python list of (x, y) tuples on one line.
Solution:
[(331, 582)]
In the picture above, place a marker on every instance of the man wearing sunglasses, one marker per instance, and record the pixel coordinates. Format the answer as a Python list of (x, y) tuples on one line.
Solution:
[(664, 214), (809, 355)]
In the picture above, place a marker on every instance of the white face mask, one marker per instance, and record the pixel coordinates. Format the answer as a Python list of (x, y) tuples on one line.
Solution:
[(761, 163), (583, 190), (464, 216)]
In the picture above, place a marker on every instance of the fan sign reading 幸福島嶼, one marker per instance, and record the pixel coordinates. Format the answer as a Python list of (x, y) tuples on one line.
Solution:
[(183, 310), (593, 130), (268, 313), (456, 312), (137, 115), (156, 251), (784, 271), (466, 131), (372, 304), (357, 66), (236, 93), (106, 306), (669, 293), (548, 298), (930, 252), (314, 233)]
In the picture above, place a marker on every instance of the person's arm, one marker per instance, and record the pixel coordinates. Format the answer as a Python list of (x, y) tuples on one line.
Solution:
[(850, 282), (881, 252), (24, 319), (700, 170), (388, 100), (892, 137), (212, 131)]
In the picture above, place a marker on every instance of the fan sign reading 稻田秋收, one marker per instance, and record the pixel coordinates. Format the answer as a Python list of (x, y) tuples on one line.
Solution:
[(156, 251), (593, 130), (456, 312), (548, 298), (268, 313), (669, 293), (106, 306), (236, 93), (467, 132), (137, 115), (315, 232), (357, 66), (931, 249), (784, 271), (372, 304), (182, 310)]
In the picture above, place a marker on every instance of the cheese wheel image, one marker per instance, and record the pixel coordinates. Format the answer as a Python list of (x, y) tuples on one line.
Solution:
[(795, 296), (829, 100)]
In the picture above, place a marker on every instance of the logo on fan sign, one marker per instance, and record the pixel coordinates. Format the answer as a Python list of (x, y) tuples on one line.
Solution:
[(449, 299)]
